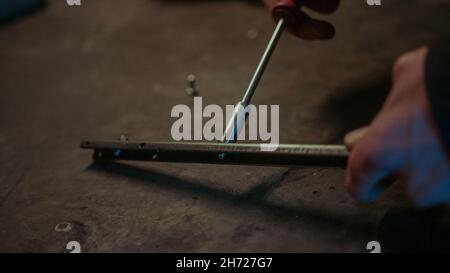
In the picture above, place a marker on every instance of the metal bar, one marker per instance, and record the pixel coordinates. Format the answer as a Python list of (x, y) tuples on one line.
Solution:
[(219, 153), (233, 126)]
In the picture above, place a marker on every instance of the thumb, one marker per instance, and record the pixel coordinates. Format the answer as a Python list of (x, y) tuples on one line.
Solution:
[(354, 137)]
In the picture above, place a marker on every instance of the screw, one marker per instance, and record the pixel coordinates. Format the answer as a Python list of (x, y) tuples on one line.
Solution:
[(123, 138), (191, 89), (191, 79)]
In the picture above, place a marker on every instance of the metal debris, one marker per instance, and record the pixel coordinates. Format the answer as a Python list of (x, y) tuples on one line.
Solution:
[(63, 227)]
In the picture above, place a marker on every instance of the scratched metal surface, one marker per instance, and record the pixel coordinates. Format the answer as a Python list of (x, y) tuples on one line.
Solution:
[(118, 67)]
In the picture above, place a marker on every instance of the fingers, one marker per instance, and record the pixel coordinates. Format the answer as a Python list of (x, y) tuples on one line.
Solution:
[(299, 23), (367, 168), (366, 177), (321, 6), (354, 136), (307, 28), (315, 30)]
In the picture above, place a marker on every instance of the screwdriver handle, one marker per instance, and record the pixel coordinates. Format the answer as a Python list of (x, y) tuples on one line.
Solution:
[(286, 9)]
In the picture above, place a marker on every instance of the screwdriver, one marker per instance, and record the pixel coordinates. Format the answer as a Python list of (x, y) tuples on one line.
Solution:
[(282, 12)]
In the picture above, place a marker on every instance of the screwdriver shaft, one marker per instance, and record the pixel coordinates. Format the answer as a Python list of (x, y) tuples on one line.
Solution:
[(264, 61), (234, 124)]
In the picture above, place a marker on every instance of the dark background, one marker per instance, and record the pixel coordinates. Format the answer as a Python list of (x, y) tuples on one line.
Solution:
[(109, 68)]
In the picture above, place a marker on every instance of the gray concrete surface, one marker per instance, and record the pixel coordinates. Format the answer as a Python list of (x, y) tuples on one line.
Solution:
[(118, 67)]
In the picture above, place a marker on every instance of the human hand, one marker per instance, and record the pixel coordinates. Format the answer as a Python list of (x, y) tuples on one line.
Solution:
[(299, 23), (402, 142)]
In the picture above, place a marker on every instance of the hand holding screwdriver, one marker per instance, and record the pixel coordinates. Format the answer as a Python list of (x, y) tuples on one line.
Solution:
[(299, 23)]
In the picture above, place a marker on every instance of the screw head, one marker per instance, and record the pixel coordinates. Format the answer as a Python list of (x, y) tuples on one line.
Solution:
[(190, 91), (117, 152), (191, 78)]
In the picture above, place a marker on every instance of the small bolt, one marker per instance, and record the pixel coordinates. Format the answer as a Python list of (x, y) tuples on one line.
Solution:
[(222, 156), (191, 80), (123, 138), (190, 91)]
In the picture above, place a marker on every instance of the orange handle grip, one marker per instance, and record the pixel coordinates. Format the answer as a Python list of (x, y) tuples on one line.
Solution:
[(286, 9)]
